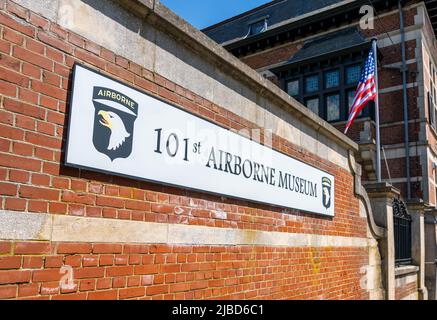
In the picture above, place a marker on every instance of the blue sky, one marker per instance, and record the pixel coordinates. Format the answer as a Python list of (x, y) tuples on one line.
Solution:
[(203, 13)]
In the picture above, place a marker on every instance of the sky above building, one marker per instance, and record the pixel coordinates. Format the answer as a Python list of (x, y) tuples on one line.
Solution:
[(203, 13)]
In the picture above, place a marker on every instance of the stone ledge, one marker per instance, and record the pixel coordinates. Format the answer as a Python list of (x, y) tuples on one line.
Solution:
[(61, 228), (404, 270)]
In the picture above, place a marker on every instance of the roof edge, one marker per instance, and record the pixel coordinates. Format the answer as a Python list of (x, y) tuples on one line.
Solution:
[(243, 14)]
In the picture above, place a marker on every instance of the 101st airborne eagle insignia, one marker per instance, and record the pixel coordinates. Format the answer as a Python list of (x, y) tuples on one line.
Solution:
[(114, 118), (326, 192)]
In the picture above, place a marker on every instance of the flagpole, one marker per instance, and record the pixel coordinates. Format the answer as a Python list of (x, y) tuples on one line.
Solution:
[(378, 141)]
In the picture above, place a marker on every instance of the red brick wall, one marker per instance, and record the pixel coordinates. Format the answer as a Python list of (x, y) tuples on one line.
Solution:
[(36, 59), (115, 271), (405, 289)]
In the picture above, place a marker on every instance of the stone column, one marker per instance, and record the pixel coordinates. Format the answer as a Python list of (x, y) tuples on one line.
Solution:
[(416, 208), (381, 199), (431, 253)]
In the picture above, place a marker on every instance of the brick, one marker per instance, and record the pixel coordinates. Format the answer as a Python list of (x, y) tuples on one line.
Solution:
[(90, 272), (76, 210), (32, 248), (6, 117), (13, 24), (132, 292), (51, 78), (33, 262), (119, 282), (160, 289), (107, 55), (104, 283), (61, 183), (121, 259), (8, 292), (40, 179), (92, 47), (14, 77), (90, 261), (90, 58), (146, 280), (82, 198), (103, 295), (57, 207), (35, 46), (8, 89), (53, 261), (120, 72), (23, 108), (18, 10), (15, 204), (49, 90), (43, 153), (55, 42), (58, 30), (78, 185), (14, 276), (178, 287), (10, 62), (119, 271), (49, 102), (57, 56), (50, 288), (32, 58), (106, 260), (24, 122), (47, 275), (33, 192), (110, 202), (107, 248), (71, 296), (13, 262), (146, 269), (28, 290), (8, 189), (4, 147), (13, 36), (38, 21), (37, 206), (73, 260), (5, 46), (23, 149), (76, 40), (5, 247), (162, 208), (70, 248), (134, 281), (87, 285), (19, 162)]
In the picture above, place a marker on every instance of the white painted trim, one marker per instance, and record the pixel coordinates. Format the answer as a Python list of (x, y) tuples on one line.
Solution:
[(61, 228)]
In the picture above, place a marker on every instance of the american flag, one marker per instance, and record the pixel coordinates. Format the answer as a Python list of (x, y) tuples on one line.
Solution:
[(366, 90)]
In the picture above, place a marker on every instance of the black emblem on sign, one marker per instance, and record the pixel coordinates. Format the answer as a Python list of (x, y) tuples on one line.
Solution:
[(114, 117), (326, 192)]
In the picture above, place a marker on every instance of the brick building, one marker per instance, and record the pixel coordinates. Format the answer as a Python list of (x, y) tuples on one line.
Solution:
[(314, 51), (69, 230)]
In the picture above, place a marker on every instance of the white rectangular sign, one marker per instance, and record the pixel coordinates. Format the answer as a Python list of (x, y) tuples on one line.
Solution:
[(119, 130)]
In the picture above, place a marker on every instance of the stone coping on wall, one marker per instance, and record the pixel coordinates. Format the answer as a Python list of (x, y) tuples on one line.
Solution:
[(405, 270), (61, 228)]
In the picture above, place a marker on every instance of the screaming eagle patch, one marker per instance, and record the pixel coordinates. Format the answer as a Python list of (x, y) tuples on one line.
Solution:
[(326, 192), (114, 118)]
